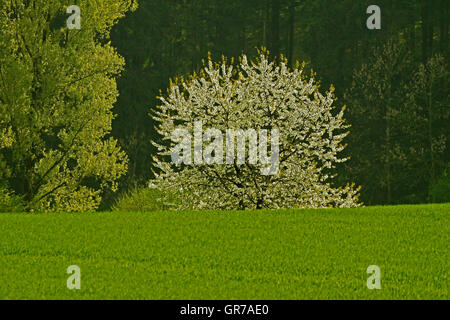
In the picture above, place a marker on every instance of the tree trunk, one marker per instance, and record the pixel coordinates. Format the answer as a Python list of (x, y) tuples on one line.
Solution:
[(430, 132), (275, 41), (291, 32), (444, 28), (412, 40), (427, 30), (265, 21), (194, 26)]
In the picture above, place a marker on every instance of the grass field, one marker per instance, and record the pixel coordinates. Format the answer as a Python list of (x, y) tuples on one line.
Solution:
[(303, 254)]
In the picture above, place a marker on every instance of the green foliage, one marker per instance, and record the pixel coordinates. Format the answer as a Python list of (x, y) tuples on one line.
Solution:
[(145, 199), (295, 254), (57, 92), (10, 202), (440, 191)]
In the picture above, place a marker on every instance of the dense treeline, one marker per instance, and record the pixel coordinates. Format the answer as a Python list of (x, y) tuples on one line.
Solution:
[(75, 122), (397, 97)]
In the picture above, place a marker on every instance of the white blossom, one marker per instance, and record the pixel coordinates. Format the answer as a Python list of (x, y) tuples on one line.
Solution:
[(257, 95)]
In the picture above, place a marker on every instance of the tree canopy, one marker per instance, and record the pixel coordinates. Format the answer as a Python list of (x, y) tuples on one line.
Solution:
[(57, 92)]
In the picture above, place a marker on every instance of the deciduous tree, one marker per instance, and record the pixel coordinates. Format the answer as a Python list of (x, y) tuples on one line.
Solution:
[(259, 95), (57, 90)]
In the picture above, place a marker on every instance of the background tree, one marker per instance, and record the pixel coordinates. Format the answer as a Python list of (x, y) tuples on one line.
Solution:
[(397, 122), (57, 89)]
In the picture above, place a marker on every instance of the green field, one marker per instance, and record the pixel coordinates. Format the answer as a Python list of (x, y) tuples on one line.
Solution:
[(302, 254)]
